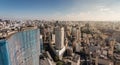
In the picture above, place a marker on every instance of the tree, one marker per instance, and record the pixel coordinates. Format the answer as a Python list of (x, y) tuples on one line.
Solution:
[(59, 63)]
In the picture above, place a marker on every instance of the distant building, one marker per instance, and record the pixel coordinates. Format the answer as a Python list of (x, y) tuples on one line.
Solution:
[(46, 60), (69, 51), (78, 34), (75, 60), (53, 38), (105, 62), (41, 44), (21, 48)]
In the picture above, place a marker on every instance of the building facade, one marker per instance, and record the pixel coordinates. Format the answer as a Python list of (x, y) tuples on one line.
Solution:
[(59, 37), (4, 57), (21, 48)]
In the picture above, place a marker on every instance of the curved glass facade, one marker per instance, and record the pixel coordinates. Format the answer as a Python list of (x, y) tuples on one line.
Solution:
[(4, 59), (24, 48)]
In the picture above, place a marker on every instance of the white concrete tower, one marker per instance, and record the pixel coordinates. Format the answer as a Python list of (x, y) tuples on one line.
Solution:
[(59, 38)]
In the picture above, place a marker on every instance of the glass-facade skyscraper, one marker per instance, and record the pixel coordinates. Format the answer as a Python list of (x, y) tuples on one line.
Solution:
[(21, 48)]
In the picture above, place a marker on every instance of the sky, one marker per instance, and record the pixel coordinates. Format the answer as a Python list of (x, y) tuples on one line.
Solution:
[(67, 10)]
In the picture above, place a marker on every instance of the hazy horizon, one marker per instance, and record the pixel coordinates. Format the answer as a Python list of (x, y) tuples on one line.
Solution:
[(66, 10)]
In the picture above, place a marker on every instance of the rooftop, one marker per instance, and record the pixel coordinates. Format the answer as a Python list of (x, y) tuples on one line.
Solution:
[(10, 33)]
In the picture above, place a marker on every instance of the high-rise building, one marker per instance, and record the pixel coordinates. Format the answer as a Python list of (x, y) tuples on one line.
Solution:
[(4, 59), (59, 42), (52, 38), (78, 34), (59, 37), (111, 44), (21, 48), (41, 44)]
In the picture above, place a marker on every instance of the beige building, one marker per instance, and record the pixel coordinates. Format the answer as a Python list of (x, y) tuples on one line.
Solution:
[(53, 39), (59, 37)]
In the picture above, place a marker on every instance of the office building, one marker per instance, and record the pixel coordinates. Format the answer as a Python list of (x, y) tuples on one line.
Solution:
[(59, 37), (21, 48), (41, 44), (59, 42)]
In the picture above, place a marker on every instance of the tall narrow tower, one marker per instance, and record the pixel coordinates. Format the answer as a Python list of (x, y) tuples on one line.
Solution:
[(59, 37), (78, 34)]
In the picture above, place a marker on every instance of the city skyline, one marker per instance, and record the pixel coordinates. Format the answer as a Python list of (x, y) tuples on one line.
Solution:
[(36, 42), (68, 10)]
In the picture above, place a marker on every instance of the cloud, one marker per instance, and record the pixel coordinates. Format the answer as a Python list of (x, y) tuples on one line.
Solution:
[(104, 9), (99, 13)]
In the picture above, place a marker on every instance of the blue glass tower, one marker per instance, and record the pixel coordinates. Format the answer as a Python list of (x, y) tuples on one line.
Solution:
[(4, 59), (21, 48)]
